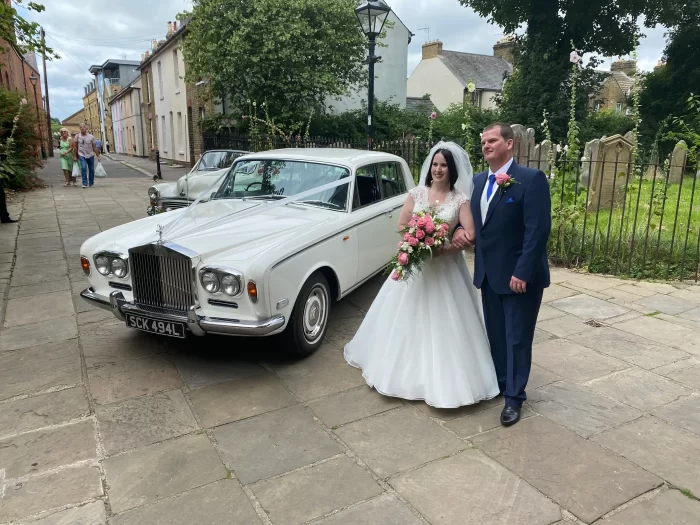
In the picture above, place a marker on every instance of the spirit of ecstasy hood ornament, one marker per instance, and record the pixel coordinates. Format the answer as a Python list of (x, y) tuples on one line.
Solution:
[(160, 234)]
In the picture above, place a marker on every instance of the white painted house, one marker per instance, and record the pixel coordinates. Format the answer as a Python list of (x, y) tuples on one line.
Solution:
[(170, 97), (445, 75), (389, 73)]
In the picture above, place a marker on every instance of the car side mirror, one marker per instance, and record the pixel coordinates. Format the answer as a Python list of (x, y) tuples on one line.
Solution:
[(213, 194)]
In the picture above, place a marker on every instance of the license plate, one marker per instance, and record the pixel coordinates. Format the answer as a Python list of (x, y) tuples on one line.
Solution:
[(155, 326)]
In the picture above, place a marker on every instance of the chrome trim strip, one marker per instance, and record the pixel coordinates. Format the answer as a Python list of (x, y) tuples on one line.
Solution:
[(198, 325), (363, 281), (225, 304)]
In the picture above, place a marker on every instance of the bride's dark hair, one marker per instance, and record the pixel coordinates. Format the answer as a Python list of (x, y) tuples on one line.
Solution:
[(451, 168)]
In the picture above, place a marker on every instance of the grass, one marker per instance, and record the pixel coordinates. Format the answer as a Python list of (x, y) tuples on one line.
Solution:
[(687, 493), (652, 231)]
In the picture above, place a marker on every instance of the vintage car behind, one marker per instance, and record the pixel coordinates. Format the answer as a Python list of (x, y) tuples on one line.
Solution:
[(287, 233), (168, 196)]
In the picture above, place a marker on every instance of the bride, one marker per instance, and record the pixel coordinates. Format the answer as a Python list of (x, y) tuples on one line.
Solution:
[(424, 339)]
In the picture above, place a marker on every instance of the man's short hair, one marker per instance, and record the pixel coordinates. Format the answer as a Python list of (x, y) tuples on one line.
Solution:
[(505, 130)]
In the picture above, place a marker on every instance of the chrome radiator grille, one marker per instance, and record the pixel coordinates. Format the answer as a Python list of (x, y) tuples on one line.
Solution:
[(175, 205), (162, 280)]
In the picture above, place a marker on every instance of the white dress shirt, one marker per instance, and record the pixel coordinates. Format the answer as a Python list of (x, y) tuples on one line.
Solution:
[(486, 201)]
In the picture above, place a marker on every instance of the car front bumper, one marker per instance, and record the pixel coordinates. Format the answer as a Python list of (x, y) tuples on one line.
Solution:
[(197, 324)]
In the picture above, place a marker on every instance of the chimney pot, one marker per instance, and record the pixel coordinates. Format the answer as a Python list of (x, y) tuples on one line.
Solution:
[(504, 49), (628, 67), (170, 28), (432, 49), (175, 27)]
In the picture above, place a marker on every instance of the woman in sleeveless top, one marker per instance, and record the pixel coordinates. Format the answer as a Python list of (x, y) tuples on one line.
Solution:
[(66, 151)]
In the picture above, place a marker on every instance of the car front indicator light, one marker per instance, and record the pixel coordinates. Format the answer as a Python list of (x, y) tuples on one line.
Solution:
[(253, 291), (85, 264)]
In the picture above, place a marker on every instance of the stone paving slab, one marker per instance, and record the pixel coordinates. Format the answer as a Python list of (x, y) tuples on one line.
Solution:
[(666, 304), (640, 389), (220, 404), (160, 471), (51, 491), (41, 333), (660, 448), (583, 478), (588, 307), (669, 508), (143, 421), (663, 332), (35, 369), (48, 306), (43, 450), (574, 362), (684, 414), (398, 440), (580, 409), (44, 410), (32, 290), (111, 383), (200, 370), (565, 326), (482, 421), (384, 510), (313, 492), (223, 503), (352, 405), (453, 491), (91, 514), (272, 444)]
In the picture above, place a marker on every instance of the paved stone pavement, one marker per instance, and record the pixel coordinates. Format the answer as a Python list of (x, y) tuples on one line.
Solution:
[(103, 425), (148, 167)]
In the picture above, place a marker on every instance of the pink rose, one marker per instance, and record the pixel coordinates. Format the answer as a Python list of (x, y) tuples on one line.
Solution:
[(429, 241), (502, 178), (412, 241), (400, 245), (420, 234), (395, 276), (422, 222), (441, 233), (403, 259), (430, 227), (444, 226), (413, 223), (406, 236)]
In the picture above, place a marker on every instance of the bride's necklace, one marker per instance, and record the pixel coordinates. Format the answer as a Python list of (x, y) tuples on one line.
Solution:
[(437, 201)]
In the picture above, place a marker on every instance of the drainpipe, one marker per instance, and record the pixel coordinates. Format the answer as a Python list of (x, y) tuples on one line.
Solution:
[(141, 123)]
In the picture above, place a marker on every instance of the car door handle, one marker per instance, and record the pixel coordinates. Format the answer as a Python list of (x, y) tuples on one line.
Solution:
[(389, 214)]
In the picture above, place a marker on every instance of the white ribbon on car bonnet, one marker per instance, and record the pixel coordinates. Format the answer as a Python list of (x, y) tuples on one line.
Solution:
[(262, 207)]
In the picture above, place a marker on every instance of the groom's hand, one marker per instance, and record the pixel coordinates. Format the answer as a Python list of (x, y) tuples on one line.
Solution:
[(517, 285), (460, 239)]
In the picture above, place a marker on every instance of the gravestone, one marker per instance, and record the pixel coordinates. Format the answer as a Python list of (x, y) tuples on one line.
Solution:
[(679, 157), (590, 152), (611, 170), (540, 158)]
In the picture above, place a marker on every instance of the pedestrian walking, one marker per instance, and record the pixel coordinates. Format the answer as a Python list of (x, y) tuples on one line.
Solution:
[(65, 148), (86, 146), (99, 145)]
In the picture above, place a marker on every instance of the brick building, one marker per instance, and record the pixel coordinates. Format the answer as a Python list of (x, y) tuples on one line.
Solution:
[(616, 88), (72, 123), (148, 107), (91, 111), (200, 105), (16, 71)]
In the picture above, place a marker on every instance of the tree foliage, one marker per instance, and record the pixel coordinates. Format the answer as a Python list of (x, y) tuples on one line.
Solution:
[(22, 34), (542, 56), (291, 54), (19, 139)]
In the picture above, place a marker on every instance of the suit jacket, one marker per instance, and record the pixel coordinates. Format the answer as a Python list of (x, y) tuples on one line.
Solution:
[(512, 241)]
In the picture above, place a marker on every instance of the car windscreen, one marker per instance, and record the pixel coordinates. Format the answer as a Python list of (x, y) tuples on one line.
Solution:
[(217, 160), (276, 179)]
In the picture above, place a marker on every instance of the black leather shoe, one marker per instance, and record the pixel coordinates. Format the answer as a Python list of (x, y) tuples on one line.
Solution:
[(510, 415), (8, 221)]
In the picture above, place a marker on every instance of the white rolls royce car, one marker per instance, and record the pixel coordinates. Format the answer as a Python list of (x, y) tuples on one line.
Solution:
[(168, 196), (287, 233)]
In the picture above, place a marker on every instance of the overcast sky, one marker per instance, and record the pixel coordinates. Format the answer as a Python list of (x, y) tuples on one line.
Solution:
[(87, 33)]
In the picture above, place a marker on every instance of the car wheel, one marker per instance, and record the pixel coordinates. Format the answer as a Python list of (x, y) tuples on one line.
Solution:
[(309, 319)]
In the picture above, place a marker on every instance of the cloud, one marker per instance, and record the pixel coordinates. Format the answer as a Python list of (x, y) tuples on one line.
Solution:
[(90, 33)]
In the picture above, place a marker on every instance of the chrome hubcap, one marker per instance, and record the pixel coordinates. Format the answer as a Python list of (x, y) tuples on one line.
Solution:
[(315, 313)]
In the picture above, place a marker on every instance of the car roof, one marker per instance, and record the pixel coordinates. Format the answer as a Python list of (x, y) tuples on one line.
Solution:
[(347, 156), (220, 150)]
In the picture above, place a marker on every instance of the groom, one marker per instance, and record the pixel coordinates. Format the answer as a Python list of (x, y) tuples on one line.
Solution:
[(512, 216)]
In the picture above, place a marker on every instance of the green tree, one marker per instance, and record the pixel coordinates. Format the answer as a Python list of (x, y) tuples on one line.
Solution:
[(291, 54), (542, 66), (20, 33), (667, 89)]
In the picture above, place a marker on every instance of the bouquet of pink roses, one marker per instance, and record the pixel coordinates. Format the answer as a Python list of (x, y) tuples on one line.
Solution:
[(424, 234)]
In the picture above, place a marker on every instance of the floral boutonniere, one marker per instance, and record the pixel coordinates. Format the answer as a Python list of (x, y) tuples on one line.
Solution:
[(504, 181)]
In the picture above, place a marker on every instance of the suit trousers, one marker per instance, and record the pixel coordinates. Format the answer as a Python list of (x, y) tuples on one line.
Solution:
[(510, 325)]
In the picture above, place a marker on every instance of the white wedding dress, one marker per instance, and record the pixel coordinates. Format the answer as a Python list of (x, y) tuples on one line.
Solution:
[(424, 339)]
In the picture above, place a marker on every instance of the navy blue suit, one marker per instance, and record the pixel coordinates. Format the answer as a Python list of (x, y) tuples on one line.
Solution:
[(512, 241)]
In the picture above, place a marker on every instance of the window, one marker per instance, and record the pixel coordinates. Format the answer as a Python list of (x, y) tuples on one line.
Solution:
[(391, 177), (148, 91), (180, 138), (618, 107), (133, 135), (201, 113), (366, 187), (176, 70), (597, 105), (160, 80), (163, 140)]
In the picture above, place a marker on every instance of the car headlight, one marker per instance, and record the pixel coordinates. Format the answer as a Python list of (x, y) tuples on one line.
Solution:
[(231, 285), (153, 193), (210, 282), (103, 264), (119, 268), (108, 263)]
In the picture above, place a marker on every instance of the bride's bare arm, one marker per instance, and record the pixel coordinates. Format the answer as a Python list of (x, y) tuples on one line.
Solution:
[(466, 219), (406, 212)]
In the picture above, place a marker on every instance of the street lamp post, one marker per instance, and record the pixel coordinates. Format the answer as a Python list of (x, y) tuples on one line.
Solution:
[(33, 79), (372, 15)]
